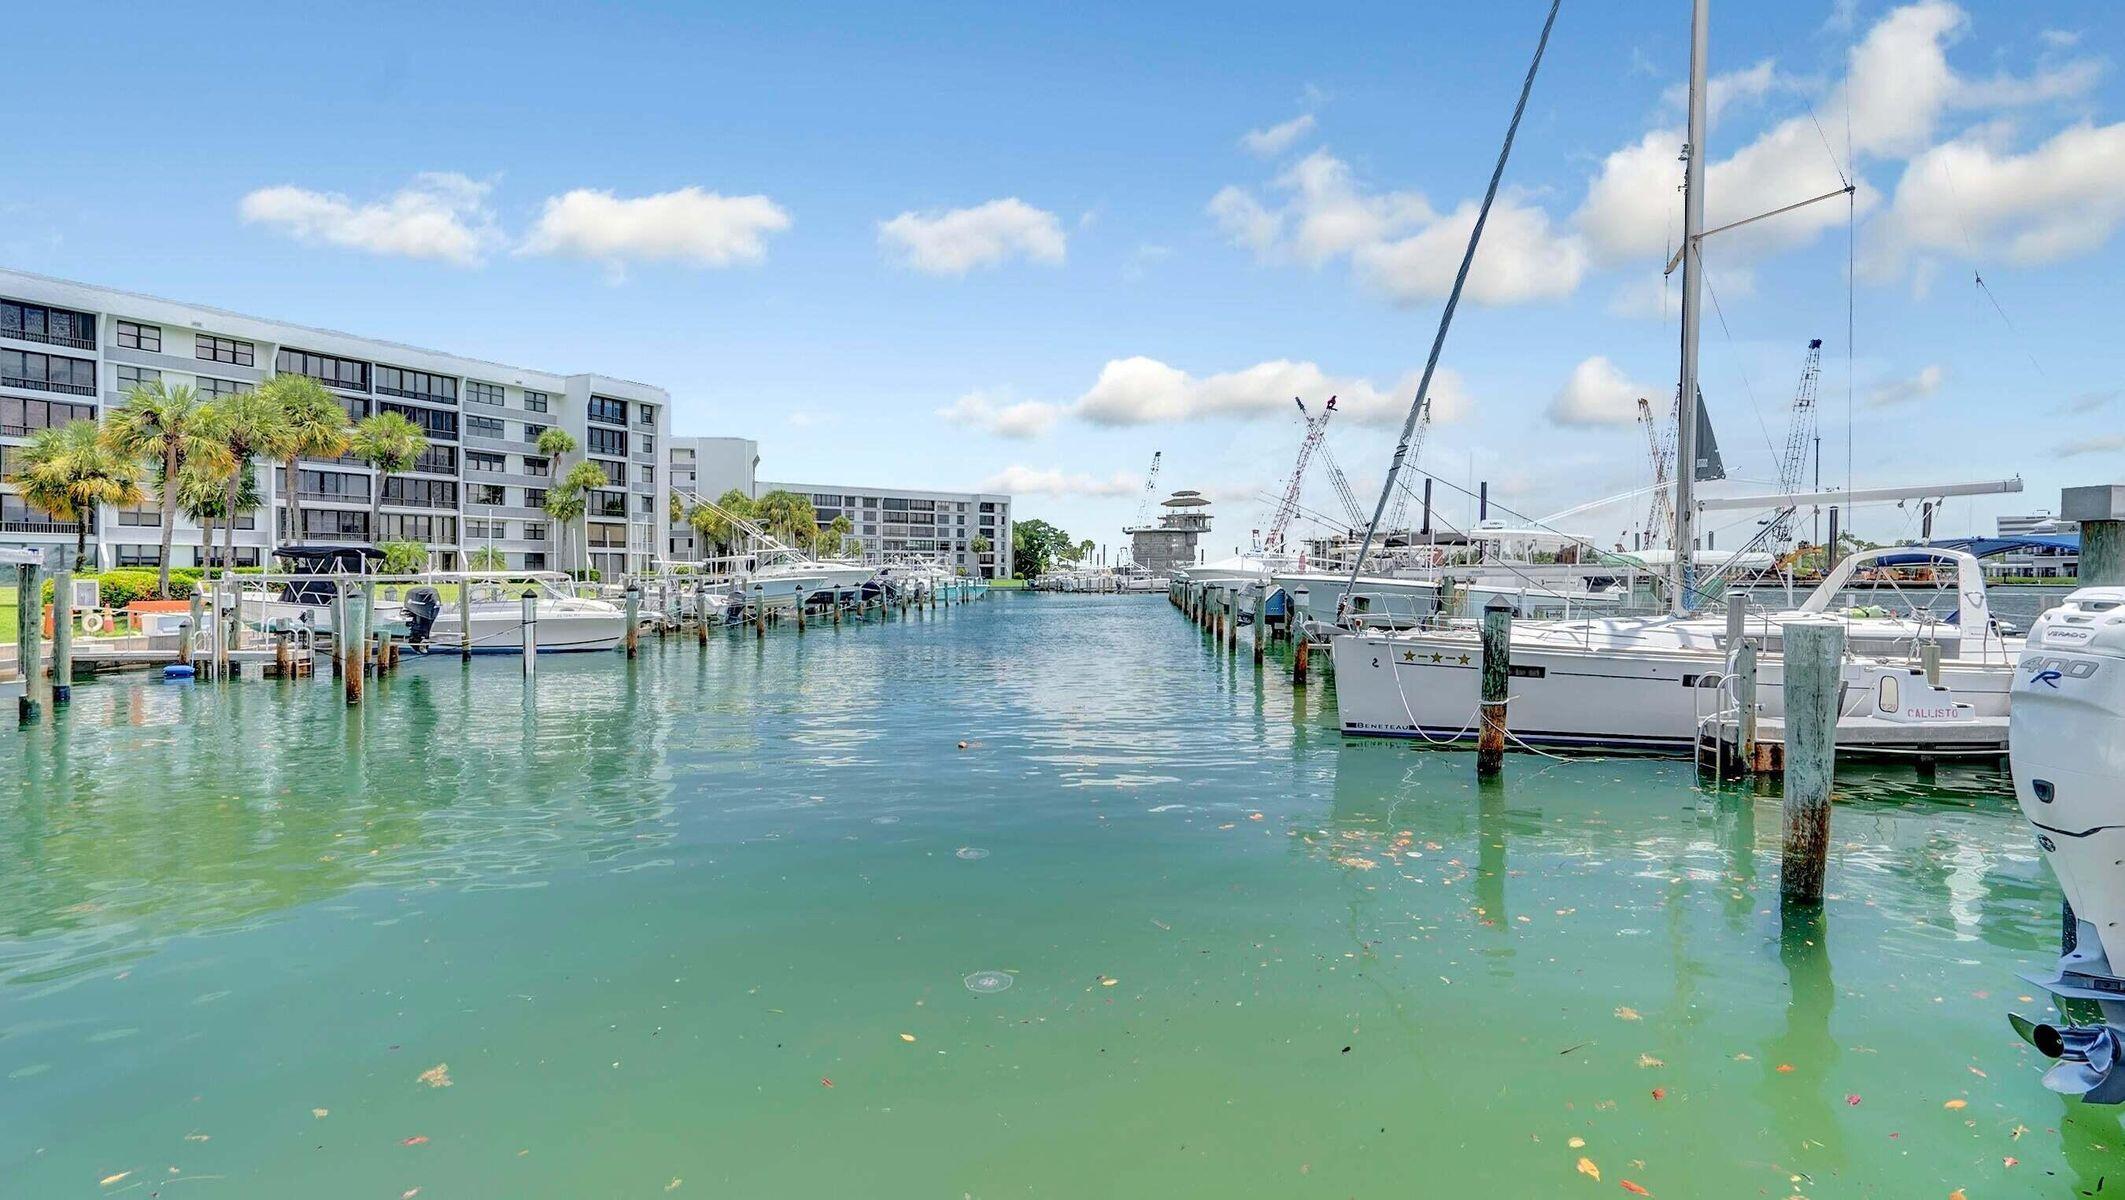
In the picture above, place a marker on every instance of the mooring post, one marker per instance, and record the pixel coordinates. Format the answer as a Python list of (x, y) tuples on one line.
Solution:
[(634, 618), (29, 632), (386, 653), (282, 658), (759, 612), (1814, 656), (339, 629), (800, 613), (530, 629), (464, 620), (187, 637), (1737, 620), (355, 635), (1497, 684), (701, 615), (62, 630), (1745, 704), (1261, 622), (1301, 658)]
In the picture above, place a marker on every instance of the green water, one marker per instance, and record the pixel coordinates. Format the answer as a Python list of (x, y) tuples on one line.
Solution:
[(645, 917)]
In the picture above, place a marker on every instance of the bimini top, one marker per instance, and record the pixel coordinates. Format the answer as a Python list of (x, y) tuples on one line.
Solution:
[(348, 558), (1984, 547)]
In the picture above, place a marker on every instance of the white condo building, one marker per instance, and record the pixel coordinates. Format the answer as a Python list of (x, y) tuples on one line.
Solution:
[(896, 522), (70, 351)]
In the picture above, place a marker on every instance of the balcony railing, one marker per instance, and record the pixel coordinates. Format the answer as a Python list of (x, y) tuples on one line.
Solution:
[(66, 527), (50, 339), (44, 385)]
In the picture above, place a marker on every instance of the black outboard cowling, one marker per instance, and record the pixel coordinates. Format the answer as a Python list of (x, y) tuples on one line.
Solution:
[(422, 604)]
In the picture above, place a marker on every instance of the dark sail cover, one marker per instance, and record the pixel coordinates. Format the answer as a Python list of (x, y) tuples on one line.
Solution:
[(1709, 465)]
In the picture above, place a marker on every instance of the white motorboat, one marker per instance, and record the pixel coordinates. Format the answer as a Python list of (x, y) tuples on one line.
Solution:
[(565, 623)]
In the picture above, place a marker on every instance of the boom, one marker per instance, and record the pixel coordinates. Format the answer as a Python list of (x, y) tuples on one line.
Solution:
[(1798, 437), (1398, 516), (1660, 446)]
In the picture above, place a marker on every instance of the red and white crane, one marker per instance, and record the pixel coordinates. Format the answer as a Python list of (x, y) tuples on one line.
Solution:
[(1288, 506)]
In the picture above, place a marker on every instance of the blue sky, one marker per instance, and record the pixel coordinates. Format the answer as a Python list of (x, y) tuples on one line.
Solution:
[(1029, 245)]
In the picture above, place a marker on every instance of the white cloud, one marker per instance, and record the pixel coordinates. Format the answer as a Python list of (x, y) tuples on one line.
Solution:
[(1598, 393), (1396, 243), (956, 241), (1735, 87), (1021, 480), (689, 225), (1909, 390), (1270, 142), (440, 215), (1020, 419), (2061, 38), (1967, 198), (1898, 90), (1145, 391)]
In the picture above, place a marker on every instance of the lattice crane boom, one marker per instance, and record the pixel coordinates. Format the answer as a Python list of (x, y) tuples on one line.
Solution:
[(1660, 447), (1143, 510), (1799, 434), (1346, 497), (1288, 505), (1398, 514)]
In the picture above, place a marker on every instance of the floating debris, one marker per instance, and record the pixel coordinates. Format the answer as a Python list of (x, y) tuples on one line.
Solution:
[(970, 853), (988, 983), (437, 1076)]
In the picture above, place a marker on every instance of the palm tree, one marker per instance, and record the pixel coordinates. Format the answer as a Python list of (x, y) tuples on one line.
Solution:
[(980, 546), (68, 472), (161, 425), (203, 496), (388, 442), (787, 515), (556, 444), (574, 491), (248, 426), (1084, 550), (316, 426), (717, 526)]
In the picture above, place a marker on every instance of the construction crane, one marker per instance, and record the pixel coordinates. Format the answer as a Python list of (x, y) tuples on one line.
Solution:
[(1341, 482), (1798, 437), (1288, 506), (1660, 446), (1398, 515), (1143, 510)]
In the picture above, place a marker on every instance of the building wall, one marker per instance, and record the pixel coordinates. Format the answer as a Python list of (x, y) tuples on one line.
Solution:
[(479, 487), (890, 522), (708, 467)]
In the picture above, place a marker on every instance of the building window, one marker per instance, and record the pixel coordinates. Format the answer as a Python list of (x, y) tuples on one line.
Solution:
[(534, 531), (480, 460), (482, 393), (608, 410), (486, 427), (532, 433), (415, 385), (420, 493), (139, 556), (433, 422), (331, 485), (537, 466), (223, 350), (607, 441), (135, 336), (645, 444), (142, 517), (18, 517), (535, 561), (129, 377), (20, 418), (535, 498), (329, 524), (210, 388), (646, 415), (48, 372), (489, 494), (535, 402), (437, 460), (420, 527), (599, 534), (646, 473), (56, 326), (615, 473), (479, 528), (607, 504), (325, 368)]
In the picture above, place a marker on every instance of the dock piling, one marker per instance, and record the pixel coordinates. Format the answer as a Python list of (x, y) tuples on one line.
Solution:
[(531, 632), (634, 618), (1745, 672), (1301, 658), (29, 631), (1261, 623), (188, 636), (62, 630), (354, 635), (464, 620), (1497, 683), (339, 629), (1814, 658)]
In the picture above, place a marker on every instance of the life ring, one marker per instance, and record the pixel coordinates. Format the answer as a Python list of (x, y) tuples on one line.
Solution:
[(92, 622)]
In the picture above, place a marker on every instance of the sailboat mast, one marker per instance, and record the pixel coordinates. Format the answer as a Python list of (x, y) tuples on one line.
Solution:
[(1692, 287)]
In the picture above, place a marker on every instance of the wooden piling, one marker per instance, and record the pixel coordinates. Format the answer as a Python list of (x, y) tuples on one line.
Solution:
[(464, 620), (29, 635), (1497, 685), (759, 613), (1745, 673), (530, 627), (283, 662), (1301, 657), (188, 636), (352, 634), (1814, 655), (62, 630), (634, 618), (701, 615), (339, 630), (1261, 623)]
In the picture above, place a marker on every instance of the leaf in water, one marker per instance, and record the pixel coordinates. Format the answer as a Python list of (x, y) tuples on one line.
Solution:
[(1587, 1168), (1108, 981), (1633, 1188), (1957, 1194), (437, 1076), (673, 1186), (1627, 1013), (825, 1082), (320, 1113), (1853, 1099), (1576, 1142), (1957, 1103), (108, 1180), (1647, 1060), (1785, 1068), (2010, 1161), (1660, 1093), (415, 1140)]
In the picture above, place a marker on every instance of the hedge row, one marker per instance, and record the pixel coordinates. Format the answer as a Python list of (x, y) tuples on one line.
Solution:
[(120, 586)]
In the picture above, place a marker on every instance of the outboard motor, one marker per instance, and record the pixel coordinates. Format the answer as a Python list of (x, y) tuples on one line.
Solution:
[(422, 604), (2067, 746)]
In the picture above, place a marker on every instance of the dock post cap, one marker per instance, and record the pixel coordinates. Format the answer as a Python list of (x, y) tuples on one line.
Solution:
[(2101, 502), (1496, 602)]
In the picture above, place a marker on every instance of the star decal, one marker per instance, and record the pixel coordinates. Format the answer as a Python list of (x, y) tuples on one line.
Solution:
[(1438, 657), (1464, 660), (1409, 656)]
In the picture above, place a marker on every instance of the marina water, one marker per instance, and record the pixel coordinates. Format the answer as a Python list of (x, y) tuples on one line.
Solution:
[(750, 921)]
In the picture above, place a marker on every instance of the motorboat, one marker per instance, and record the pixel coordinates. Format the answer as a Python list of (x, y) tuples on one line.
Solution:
[(495, 606), (2067, 749)]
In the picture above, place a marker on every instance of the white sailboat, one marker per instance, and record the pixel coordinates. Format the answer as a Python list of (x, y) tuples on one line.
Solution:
[(1649, 682)]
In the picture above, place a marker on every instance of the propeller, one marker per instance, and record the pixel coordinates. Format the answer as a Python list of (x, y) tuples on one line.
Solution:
[(2088, 1058)]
